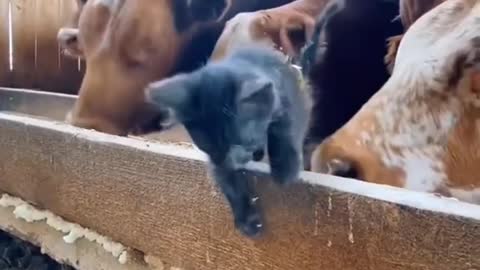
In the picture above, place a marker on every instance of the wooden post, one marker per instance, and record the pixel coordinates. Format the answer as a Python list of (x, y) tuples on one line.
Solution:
[(4, 48)]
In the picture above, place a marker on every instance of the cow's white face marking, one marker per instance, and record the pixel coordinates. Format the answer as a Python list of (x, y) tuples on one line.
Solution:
[(416, 110), (238, 33)]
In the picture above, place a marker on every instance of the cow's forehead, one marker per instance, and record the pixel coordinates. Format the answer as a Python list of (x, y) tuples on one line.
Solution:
[(427, 54), (440, 32)]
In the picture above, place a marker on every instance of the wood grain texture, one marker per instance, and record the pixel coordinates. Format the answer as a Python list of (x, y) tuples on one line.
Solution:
[(159, 200), (4, 54), (37, 61), (24, 52)]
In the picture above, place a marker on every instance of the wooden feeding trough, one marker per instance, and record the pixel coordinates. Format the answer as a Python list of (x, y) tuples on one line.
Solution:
[(156, 199), (97, 201)]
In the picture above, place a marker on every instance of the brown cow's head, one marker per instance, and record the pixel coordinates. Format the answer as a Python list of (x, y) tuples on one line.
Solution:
[(421, 130), (68, 36), (126, 45)]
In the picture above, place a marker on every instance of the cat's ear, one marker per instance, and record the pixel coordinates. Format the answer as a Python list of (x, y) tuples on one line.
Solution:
[(173, 93), (258, 91)]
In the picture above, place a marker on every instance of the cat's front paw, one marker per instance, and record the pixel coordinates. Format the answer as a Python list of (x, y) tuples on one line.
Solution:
[(251, 225), (285, 177), (286, 172)]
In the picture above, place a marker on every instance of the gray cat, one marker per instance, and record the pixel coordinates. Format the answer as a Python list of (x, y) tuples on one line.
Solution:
[(233, 110)]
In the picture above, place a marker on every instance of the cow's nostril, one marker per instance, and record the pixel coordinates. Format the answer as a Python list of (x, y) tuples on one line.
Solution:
[(348, 173), (67, 36), (342, 168), (258, 155), (71, 39)]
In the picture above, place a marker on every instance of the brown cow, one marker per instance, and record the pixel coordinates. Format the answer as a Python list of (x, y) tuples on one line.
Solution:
[(129, 43), (420, 130), (274, 27), (410, 11)]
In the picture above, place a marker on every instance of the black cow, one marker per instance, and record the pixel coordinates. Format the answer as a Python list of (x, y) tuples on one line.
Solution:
[(345, 60)]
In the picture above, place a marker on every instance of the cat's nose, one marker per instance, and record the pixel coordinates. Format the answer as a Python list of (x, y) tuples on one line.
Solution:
[(258, 154)]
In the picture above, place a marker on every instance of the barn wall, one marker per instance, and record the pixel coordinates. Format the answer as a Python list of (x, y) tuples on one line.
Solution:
[(37, 62)]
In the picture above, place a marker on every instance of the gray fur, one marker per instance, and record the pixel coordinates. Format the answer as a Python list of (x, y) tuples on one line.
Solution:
[(234, 110)]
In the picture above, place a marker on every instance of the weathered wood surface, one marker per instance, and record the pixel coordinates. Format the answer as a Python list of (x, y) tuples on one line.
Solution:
[(37, 60), (158, 199), (4, 51)]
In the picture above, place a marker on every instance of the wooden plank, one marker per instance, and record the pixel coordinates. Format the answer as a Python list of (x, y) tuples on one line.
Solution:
[(4, 41), (38, 63), (47, 48), (24, 32), (159, 200)]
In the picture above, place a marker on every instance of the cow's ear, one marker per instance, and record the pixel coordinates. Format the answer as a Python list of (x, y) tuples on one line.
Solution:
[(209, 10), (173, 93)]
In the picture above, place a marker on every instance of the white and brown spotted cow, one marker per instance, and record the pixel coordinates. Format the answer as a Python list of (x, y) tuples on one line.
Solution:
[(421, 130)]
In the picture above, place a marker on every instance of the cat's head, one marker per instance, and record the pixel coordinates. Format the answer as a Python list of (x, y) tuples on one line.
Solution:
[(227, 113)]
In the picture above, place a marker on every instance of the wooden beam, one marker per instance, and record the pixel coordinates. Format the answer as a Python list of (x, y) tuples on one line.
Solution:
[(4, 43), (158, 199)]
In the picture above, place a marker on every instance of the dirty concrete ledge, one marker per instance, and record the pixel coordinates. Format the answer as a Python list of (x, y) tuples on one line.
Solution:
[(83, 254)]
